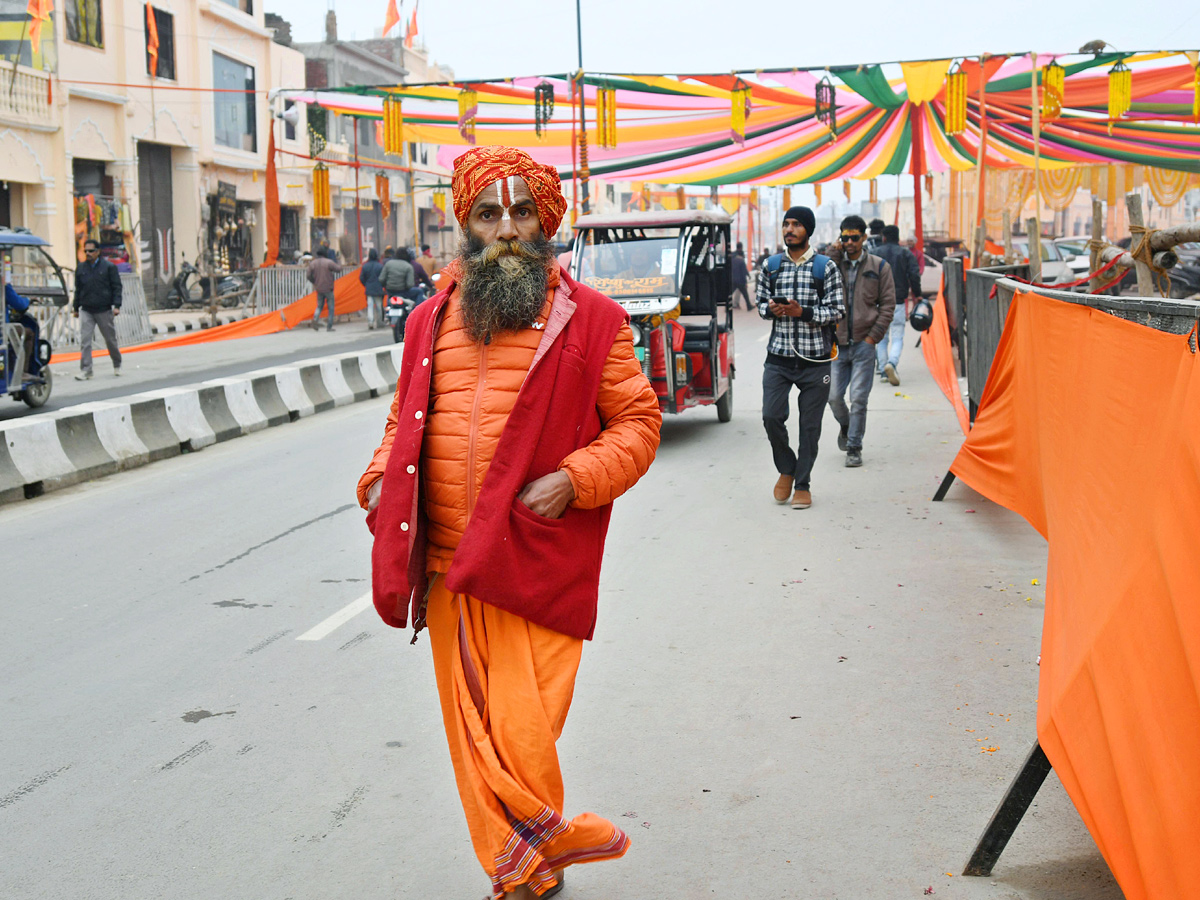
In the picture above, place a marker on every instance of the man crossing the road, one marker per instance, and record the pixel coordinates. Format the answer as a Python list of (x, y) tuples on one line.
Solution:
[(520, 414)]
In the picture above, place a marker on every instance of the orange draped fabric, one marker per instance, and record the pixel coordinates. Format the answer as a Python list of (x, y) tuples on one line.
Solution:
[(272, 204), (348, 297), (505, 686), (1088, 429), (939, 357)]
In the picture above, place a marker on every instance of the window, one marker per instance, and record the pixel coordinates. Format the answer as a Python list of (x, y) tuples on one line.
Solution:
[(85, 22), (289, 130), (233, 104), (246, 6), (165, 24)]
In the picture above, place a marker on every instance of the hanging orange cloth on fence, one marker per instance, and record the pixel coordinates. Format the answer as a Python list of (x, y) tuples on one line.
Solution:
[(1087, 428), (939, 358)]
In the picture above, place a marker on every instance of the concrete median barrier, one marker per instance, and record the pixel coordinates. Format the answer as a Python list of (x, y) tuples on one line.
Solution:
[(51, 450)]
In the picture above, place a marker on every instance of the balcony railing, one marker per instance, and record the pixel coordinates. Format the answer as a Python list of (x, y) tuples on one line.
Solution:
[(28, 102)]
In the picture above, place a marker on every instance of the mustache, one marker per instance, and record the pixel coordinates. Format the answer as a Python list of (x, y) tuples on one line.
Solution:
[(504, 284)]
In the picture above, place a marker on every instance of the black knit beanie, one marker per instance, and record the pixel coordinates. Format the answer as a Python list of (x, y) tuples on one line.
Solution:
[(804, 216)]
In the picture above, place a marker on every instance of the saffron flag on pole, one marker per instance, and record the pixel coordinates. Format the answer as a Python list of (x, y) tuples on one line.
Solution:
[(412, 28), (152, 39), (391, 18), (39, 13)]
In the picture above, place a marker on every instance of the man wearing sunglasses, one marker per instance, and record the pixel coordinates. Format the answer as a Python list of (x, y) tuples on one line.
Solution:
[(870, 305), (97, 304)]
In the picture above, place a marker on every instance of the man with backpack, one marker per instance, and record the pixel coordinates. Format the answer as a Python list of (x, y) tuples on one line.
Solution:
[(800, 292), (870, 304)]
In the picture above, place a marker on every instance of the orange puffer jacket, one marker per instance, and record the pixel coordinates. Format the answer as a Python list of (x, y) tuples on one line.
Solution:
[(474, 389)]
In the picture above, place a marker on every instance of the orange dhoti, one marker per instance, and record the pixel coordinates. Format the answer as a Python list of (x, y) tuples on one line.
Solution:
[(505, 686)]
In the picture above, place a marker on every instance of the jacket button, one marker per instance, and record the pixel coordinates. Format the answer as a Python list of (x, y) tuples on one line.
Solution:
[(404, 526), (425, 361), (412, 469), (418, 414)]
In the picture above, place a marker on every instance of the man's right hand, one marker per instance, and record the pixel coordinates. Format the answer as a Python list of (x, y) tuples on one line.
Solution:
[(75, 313), (790, 309), (373, 493)]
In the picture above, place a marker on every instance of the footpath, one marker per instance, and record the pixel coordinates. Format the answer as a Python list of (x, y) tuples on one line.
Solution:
[(181, 399)]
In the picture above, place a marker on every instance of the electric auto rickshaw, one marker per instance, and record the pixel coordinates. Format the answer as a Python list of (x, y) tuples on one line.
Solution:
[(35, 277), (670, 270)]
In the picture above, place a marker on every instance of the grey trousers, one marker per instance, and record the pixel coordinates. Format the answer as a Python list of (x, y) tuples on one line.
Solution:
[(88, 323), (812, 383)]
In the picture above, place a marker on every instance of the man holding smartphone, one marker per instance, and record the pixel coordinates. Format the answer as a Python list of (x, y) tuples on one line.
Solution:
[(800, 292)]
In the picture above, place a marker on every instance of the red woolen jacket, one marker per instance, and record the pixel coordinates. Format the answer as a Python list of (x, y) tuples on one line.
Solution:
[(545, 570)]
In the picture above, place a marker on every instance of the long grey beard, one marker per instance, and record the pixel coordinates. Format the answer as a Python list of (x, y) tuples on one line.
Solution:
[(503, 284)]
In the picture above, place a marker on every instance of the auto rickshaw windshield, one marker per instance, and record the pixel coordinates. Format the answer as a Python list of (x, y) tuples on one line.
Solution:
[(631, 268)]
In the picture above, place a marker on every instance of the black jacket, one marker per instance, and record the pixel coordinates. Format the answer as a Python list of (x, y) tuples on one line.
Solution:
[(905, 271), (97, 286)]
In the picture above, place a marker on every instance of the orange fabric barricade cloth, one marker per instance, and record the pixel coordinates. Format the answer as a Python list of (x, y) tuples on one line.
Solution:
[(1088, 429), (939, 357), (348, 297)]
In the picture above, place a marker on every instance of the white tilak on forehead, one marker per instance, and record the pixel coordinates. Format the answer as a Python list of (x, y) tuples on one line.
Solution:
[(504, 196)]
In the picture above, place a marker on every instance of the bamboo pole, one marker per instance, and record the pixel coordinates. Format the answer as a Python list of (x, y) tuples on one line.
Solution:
[(1006, 219), (981, 163), (1097, 237), (1145, 277), (1035, 250)]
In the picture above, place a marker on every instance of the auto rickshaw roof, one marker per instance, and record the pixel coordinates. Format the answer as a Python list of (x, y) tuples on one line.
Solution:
[(10, 238), (659, 218)]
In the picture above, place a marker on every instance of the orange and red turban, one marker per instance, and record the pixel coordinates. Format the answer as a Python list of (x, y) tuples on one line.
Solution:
[(483, 166)]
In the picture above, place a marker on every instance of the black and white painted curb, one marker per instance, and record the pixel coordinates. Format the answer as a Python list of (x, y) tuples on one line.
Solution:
[(52, 450)]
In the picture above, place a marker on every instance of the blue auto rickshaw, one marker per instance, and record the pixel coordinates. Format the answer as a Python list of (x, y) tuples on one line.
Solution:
[(27, 273)]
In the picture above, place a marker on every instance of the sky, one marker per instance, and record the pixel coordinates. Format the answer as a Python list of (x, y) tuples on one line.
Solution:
[(481, 39)]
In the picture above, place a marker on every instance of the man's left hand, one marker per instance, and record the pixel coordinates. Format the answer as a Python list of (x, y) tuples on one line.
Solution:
[(871, 341), (549, 495), (116, 311)]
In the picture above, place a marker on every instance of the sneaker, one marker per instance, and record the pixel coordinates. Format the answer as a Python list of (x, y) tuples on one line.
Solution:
[(783, 489), (84, 376), (853, 459), (889, 372), (801, 500), (842, 438), (117, 371)]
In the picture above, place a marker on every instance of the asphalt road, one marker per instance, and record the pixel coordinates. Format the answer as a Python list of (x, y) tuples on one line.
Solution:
[(778, 704)]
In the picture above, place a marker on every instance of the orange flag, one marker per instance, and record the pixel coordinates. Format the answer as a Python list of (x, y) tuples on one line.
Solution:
[(272, 205), (391, 18), (39, 12), (412, 29), (152, 39)]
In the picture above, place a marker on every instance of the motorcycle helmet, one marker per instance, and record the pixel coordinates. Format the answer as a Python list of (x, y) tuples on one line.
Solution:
[(921, 316)]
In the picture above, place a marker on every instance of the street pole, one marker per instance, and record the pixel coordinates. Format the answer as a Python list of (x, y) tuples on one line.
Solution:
[(357, 210), (583, 164)]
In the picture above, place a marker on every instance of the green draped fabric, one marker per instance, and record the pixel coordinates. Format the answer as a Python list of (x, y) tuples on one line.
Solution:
[(871, 84)]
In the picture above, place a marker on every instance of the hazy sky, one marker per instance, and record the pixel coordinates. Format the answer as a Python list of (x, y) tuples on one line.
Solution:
[(481, 39)]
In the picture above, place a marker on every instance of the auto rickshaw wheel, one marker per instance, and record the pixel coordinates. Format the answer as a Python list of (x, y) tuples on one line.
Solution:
[(36, 395), (725, 404)]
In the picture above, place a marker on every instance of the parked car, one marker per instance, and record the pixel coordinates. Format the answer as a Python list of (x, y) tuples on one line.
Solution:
[(1055, 268), (1077, 255)]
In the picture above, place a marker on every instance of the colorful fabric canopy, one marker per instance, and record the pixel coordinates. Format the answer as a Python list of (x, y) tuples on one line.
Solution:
[(676, 129)]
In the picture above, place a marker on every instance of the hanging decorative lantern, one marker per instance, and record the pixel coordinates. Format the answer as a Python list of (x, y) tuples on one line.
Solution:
[(956, 101), (606, 117), (874, 191), (1120, 90), (322, 202), (787, 199), (826, 102), (543, 107), (468, 109), (1053, 85), (439, 203), (393, 126), (817, 192), (739, 111)]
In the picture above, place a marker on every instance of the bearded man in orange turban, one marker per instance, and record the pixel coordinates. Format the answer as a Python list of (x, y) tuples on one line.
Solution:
[(520, 414)]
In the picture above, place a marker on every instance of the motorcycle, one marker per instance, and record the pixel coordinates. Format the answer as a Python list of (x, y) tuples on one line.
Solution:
[(399, 308), (187, 288)]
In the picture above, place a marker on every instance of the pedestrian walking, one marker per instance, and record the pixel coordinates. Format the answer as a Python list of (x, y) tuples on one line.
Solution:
[(800, 291), (907, 276), (740, 277), (323, 273), (875, 237), (368, 276), (426, 260), (97, 305), (871, 300), (502, 563), (398, 277)]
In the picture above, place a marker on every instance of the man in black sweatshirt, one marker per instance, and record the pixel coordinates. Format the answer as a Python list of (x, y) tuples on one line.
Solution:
[(97, 304)]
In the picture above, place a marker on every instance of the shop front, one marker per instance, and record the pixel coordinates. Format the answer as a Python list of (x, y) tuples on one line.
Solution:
[(232, 225)]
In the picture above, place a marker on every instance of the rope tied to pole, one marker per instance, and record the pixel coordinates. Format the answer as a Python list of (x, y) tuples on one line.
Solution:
[(1143, 254)]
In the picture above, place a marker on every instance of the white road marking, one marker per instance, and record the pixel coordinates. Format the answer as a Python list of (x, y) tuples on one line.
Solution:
[(337, 620)]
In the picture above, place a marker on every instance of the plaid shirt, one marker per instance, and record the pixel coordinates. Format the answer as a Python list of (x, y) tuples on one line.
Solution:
[(791, 336)]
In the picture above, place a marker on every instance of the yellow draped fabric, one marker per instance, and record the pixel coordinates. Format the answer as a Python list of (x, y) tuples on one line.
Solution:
[(1058, 186), (1166, 185), (731, 205), (924, 79)]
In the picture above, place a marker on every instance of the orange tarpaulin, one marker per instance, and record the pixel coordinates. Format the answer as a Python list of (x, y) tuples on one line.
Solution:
[(1088, 429), (348, 297), (939, 357)]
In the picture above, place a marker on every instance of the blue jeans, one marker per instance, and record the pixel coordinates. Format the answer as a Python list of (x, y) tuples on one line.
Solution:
[(854, 369), (324, 301), (888, 350), (374, 309)]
